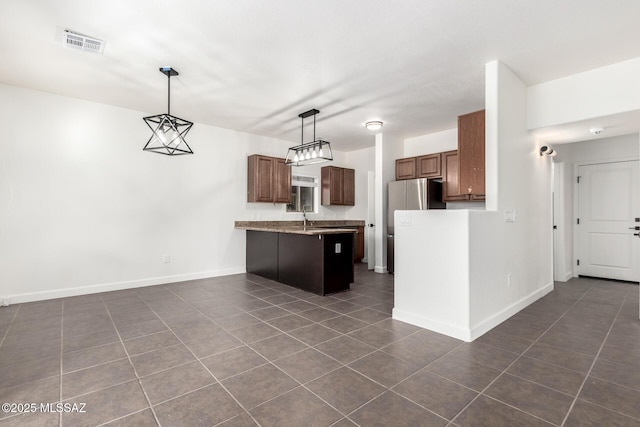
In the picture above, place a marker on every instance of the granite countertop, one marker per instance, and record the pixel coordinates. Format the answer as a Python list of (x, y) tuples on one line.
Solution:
[(297, 227)]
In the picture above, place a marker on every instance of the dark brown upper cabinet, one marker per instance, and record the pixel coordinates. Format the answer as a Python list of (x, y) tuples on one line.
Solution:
[(429, 166), (471, 155), (450, 187), (268, 180), (338, 186), (406, 169)]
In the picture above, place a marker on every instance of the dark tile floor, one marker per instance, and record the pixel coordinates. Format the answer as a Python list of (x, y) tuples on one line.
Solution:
[(242, 351)]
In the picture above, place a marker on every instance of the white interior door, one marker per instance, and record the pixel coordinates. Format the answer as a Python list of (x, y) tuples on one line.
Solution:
[(609, 204), (369, 226)]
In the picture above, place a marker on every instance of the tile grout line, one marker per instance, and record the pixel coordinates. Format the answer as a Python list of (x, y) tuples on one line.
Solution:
[(482, 392), (196, 357), (269, 361), (278, 368), (121, 341), (595, 359), (124, 416), (13, 319), (135, 371)]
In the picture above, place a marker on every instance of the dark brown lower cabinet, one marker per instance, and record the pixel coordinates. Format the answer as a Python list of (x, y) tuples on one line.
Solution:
[(319, 263), (359, 244)]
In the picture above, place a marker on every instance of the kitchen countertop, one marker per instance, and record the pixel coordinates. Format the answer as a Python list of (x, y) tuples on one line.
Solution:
[(296, 227)]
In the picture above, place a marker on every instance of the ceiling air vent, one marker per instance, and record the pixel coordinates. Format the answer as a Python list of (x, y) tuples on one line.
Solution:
[(82, 42)]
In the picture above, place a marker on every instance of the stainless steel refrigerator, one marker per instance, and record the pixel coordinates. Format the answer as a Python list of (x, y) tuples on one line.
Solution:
[(410, 195)]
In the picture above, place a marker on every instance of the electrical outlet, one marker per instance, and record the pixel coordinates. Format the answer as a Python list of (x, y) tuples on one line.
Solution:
[(166, 259), (509, 280)]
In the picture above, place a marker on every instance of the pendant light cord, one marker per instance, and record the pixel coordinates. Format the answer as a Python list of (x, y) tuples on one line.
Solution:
[(169, 94)]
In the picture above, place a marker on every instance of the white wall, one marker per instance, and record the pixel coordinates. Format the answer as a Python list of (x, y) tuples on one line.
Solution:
[(519, 180), (522, 249), (363, 161), (437, 142), (602, 150), (84, 209), (601, 92), (432, 270)]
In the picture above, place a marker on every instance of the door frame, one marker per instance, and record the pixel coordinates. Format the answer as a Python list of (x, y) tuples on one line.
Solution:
[(369, 231), (561, 273), (576, 204)]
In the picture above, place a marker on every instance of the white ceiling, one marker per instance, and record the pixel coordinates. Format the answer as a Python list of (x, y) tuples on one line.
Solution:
[(254, 65)]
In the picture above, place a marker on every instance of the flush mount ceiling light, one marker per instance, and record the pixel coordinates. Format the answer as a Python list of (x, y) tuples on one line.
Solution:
[(547, 150), (308, 153), (373, 125), (168, 131)]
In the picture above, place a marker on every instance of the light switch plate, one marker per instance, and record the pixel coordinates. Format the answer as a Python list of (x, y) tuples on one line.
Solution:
[(338, 248), (404, 218), (510, 215)]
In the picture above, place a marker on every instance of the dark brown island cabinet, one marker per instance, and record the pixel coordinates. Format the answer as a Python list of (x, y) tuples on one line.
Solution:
[(338, 186), (268, 179), (318, 263)]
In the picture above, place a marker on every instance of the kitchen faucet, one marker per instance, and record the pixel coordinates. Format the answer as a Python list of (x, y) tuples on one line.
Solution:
[(304, 215)]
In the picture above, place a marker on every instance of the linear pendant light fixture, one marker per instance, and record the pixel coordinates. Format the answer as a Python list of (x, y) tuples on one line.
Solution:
[(316, 151), (168, 131)]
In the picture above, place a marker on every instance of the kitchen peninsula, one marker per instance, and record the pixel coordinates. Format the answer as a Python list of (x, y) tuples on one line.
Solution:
[(316, 258)]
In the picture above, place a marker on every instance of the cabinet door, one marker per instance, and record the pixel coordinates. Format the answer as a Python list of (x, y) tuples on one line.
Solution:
[(429, 166), (406, 169), (331, 186), (260, 178), (471, 153), (337, 186), (281, 181), (349, 187), (450, 188)]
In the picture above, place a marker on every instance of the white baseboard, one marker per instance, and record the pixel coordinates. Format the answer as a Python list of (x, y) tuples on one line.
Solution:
[(117, 286), (379, 269), (470, 334), (431, 324), (494, 320)]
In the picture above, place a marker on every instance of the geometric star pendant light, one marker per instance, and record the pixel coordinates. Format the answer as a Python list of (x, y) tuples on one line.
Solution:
[(308, 153), (168, 131)]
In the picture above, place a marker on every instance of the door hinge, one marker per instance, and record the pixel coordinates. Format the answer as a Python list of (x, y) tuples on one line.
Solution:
[(578, 221), (578, 179), (578, 262)]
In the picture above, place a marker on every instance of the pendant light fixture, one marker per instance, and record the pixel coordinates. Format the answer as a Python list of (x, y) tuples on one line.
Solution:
[(308, 153), (168, 131)]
